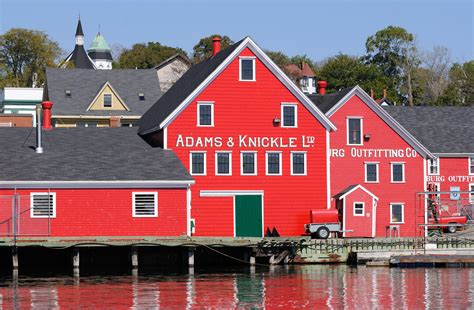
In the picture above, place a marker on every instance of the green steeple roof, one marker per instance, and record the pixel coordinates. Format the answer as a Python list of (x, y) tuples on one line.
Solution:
[(99, 44)]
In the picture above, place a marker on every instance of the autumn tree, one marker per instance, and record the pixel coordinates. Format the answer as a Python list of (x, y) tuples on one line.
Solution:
[(146, 55), (204, 48), (24, 55), (437, 64)]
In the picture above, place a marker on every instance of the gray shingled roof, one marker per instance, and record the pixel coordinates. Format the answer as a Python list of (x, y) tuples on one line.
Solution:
[(84, 85), (327, 101), (440, 129), (86, 154)]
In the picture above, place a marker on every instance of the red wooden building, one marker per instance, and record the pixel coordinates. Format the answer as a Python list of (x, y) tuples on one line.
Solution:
[(377, 167), (255, 144), (90, 182)]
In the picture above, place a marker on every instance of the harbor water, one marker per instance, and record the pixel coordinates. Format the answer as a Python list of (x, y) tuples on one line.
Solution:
[(309, 286)]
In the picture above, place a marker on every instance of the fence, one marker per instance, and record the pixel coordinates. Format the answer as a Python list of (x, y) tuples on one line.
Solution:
[(17, 218)]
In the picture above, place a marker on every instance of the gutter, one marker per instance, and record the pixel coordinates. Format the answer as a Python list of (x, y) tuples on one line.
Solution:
[(97, 184)]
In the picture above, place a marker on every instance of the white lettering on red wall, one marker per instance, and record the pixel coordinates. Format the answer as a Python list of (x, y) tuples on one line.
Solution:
[(245, 141), (451, 178), (375, 153)]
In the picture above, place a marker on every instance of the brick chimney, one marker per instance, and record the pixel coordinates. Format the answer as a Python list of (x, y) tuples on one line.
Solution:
[(217, 45), (322, 87), (47, 106)]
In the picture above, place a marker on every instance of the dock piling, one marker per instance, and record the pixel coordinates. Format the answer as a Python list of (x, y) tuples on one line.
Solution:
[(191, 257), (134, 254), (75, 261), (15, 258)]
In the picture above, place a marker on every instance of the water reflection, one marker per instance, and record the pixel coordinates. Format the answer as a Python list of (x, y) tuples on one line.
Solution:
[(332, 287)]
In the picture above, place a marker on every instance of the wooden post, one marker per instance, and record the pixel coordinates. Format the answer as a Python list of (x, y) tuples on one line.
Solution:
[(134, 252), (75, 261), (191, 257), (15, 258)]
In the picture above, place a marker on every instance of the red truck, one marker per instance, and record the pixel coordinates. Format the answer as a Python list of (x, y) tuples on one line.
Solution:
[(440, 219)]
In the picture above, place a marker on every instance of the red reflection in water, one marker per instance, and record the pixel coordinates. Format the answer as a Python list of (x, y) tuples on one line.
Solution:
[(332, 287)]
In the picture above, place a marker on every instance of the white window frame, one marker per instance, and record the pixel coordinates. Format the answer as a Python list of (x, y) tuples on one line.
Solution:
[(469, 165), (403, 212), (111, 100), (191, 162), (361, 130), (289, 104), (134, 194), (32, 194), (280, 163), (438, 187), (198, 120), (377, 172), (430, 165), (471, 195), (403, 172), (230, 163), (242, 162), (305, 163), (354, 208), (253, 68)]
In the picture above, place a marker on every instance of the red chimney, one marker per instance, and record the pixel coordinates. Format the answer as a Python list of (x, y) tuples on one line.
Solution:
[(47, 105), (322, 87), (217, 45)]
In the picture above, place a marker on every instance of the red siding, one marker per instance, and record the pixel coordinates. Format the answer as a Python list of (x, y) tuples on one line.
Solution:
[(349, 170), (361, 225), (248, 108), (104, 212)]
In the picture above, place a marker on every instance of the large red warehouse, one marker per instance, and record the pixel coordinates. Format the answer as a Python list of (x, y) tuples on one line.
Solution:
[(255, 144), (377, 167), (90, 182)]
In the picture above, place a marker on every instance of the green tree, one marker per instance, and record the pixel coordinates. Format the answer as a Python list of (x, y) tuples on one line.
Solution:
[(460, 90), (343, 71), (204, 49), (280, 59), (145, 55), (24, 55)]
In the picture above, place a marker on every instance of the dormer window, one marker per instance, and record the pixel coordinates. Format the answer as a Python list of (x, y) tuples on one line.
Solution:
[(107, 100), (247, 68), (205, 114), (141, 96), (68, 93)]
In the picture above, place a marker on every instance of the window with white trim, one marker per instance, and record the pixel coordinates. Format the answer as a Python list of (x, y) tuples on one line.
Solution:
[(371, 172), (354, 131), (248, 162), (107, 100), (298, 163), (198, 163), (398, 172), (273, 163), (289, 115), (205, 114), (43, 205), (397, 213), (359, 209), (433, 166), (471, 165), (247, 69), (145, 204), (223, 163)]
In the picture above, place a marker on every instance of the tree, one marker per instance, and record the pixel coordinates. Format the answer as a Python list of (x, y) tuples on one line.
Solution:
[(394, 51), (146, 55), (343, 71), (437, 65), (280, 59), (24, 55), (460, 90), (204, 49)]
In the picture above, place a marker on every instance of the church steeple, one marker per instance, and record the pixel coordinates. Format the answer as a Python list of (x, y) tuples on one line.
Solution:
[(79, 33)]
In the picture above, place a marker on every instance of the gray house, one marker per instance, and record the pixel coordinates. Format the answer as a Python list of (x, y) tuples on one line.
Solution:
[(100, 98)]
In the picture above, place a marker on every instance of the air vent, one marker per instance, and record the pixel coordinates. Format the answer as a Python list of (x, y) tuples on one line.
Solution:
[(68, 93), (141, 96), (145, 204)]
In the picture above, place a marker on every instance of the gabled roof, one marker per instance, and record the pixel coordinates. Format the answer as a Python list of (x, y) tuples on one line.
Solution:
[(79, 58), (306, 70), (199, 76), (443, 130), (107, 84), (327, 101), (84, 84), (344, 95), (85, 155), (171, 59), (348, 190)]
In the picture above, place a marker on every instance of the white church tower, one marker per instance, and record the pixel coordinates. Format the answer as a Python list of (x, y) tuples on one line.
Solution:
[(100, 53)]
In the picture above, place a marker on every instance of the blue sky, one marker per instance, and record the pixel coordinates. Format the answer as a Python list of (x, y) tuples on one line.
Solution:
[(316, 28)]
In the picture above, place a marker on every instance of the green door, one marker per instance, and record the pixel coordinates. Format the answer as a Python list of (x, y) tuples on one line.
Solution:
[(248, 216)]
